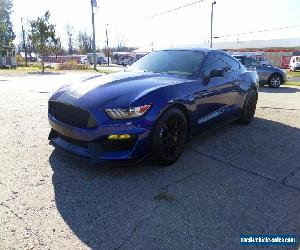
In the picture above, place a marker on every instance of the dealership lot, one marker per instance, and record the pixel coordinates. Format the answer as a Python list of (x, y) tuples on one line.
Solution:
[(230, 181)]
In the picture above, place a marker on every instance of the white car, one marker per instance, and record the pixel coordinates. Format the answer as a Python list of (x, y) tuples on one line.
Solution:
[(294, 63), (83, 60)]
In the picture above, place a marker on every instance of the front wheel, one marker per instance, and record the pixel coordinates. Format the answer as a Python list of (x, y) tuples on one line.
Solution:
[(275, 81), (249, 107), (169, 137)]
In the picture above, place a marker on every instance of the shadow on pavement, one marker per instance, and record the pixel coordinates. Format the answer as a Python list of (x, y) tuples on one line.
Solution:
[(281, 89), (266, 147), (112, 207)]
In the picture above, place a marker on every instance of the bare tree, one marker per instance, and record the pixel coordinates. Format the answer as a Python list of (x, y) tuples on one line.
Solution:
[(121, 41), (57, 48), (70, 32), (30, 48), (84, 42)]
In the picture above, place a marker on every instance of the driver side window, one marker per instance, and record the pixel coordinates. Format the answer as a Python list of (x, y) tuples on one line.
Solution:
[(214, 62)]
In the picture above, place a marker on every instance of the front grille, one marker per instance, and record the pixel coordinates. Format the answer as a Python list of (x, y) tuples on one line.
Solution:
[(71, 115)]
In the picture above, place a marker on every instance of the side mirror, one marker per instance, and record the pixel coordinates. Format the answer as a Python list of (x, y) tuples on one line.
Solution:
[(216, 73), (212, 74)]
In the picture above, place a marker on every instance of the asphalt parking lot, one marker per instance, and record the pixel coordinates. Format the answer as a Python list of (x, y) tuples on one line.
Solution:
[(229, 181)]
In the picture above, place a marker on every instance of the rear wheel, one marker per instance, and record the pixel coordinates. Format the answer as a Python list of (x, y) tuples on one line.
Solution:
[(249, 107), (275, 81), (169, 137)]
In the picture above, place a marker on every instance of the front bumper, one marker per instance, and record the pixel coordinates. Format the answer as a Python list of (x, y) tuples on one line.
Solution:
[(93, 143)]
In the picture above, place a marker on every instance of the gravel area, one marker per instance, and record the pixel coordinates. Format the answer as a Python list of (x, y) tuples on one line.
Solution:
[(230, 181)]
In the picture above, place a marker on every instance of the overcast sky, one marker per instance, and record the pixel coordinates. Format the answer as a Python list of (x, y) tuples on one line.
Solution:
[(185, 26)]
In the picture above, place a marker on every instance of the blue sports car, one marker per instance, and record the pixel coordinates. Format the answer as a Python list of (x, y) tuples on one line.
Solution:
[(153, 107)]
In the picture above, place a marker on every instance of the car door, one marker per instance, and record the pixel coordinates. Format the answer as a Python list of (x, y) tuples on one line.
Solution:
[(215, 94), (234, 74)]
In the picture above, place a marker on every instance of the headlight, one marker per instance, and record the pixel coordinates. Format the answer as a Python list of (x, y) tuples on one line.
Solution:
[(127, 113)]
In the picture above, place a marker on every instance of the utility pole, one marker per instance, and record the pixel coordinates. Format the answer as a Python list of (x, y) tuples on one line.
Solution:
[(107, 45), (94, 4), (24, 44), (211, 22)]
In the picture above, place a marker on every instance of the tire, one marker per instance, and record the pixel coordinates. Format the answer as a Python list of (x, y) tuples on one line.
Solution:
[(249, 107), (169, 137), (275, 81)]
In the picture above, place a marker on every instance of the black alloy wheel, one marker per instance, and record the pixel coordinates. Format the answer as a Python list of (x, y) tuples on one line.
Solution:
[(249, 107), (169, 137)]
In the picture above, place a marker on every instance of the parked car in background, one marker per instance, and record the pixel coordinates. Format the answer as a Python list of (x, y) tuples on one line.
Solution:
[(258, 56), (125, 58), (32, 59), (153, 107), (268, 74), (101, 60), (90, 57), (83, 60), (294, 63), (125, 61)]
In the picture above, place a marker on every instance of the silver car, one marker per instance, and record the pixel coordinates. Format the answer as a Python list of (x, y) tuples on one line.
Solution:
[(267, 74)]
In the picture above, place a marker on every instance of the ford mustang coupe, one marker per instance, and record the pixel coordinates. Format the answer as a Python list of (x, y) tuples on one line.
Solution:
[(153, 107)]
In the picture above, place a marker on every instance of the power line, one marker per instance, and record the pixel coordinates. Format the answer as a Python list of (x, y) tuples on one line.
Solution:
[(197, 39), (171, 10), (260, 31)]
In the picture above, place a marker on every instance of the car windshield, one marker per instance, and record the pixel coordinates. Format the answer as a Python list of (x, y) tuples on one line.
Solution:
[(247, 61), (297, 59), (178, 62)]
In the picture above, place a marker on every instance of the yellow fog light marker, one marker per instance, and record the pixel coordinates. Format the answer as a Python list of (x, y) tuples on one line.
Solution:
[(119, 137), (125, 136)]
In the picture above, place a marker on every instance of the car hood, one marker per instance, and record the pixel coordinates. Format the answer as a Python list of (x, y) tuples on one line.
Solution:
[(114, 90)]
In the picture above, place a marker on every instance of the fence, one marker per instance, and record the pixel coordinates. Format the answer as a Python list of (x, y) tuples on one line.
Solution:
[(62, 59)]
